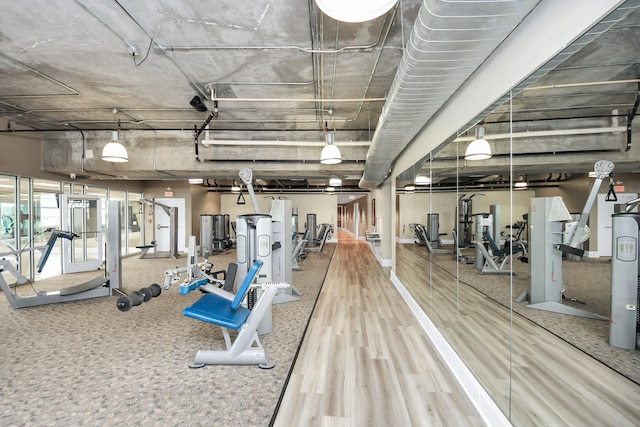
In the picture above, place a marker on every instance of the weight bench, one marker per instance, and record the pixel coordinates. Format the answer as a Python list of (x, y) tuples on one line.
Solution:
[(145, 248), (323, 234), (296, 255), (496, 259), (457, 252), (425, 239), (219, 310)]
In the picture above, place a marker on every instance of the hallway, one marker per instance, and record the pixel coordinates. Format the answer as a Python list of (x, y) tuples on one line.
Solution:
[(365, 360)]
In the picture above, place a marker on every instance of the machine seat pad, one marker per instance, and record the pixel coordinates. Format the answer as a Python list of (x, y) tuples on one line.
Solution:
[(212, 308)]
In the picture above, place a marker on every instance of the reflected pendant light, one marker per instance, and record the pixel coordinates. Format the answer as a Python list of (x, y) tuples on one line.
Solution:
[(422, 180), (114, 151), (335, 182), (355, 10), (479, 149)]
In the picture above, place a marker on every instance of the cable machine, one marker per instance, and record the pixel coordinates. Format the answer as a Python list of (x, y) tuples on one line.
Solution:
[(101, 286), (546, 247), (172, 212), (625, 273)]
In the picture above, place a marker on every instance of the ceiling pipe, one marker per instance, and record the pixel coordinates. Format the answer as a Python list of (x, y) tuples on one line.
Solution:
[(581, 84), (211, 142), (546, 133), (302, 99)]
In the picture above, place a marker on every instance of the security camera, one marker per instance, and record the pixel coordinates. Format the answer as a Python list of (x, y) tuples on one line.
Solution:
[(197, 103), (72, 175)]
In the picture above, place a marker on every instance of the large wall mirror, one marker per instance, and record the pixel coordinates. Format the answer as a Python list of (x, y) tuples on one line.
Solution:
[(476, 243)]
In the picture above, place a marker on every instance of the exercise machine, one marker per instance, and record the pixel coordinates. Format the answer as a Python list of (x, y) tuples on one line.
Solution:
[(546, 215), (172, 212), (458, 253), (282, 259), (320, 239), (310, 231), (424, 239), (464, 220), (215, 236), (127, 301), (229, 314), (490, 259), (101, 286), (266, 238), (298, 254), (200, 274), (433, 231), (624, 325)]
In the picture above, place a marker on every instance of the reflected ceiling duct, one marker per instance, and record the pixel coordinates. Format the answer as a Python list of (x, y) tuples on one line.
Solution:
[(448, 42)]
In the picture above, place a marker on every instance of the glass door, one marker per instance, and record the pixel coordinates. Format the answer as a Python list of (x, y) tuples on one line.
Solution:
[(82, 216)]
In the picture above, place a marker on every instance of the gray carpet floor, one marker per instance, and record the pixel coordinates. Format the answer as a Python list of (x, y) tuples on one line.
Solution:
[(86, 363), (587, 281)]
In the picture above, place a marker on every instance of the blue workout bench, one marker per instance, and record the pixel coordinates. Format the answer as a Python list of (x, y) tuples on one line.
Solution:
[(229, 314)]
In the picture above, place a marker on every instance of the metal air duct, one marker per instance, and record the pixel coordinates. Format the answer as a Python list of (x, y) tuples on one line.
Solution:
[(449, 41)]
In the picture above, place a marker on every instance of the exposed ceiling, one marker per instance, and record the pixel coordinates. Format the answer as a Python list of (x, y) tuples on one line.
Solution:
[(282, 74)]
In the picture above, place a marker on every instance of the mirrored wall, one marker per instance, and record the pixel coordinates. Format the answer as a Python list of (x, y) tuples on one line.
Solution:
[(436, 261), (453, 218)]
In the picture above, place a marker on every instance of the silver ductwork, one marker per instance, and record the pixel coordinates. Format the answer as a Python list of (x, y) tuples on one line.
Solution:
[(449, 41)]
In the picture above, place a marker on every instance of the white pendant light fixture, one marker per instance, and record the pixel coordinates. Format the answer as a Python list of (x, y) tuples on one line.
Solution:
[(330, 153), (355, 10), (114, 151), (195, 181), (479, 149), (522, 184), (422, 180)]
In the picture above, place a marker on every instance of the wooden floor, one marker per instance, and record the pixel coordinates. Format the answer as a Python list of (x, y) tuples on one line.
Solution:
[(534, 377), (365, 360)]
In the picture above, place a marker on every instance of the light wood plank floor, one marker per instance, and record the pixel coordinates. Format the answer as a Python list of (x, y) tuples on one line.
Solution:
[(532, 375), (365, 360)]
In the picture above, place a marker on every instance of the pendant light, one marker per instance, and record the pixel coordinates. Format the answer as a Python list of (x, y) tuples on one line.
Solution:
[(330, 154), (355, 10), (114, 151), (479, 149)]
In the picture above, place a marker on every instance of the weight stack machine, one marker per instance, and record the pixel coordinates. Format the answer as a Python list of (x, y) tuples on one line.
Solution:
[(625, 306), (254, 242), (206, 234), (311, 226), (484, 223), (282, 270), (464, 221), (254, 233)]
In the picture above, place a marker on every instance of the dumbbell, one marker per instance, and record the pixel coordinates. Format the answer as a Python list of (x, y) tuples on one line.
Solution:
[(151, 292), (125, 302)]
